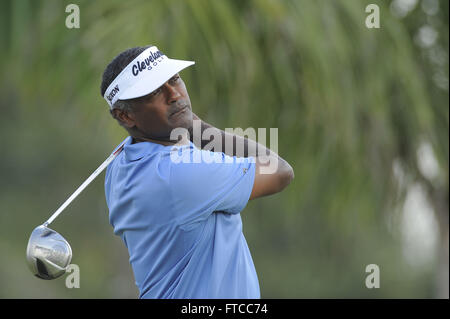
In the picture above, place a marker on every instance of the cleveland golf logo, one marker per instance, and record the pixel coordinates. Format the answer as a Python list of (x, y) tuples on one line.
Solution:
[(146, 64), (114, 91)]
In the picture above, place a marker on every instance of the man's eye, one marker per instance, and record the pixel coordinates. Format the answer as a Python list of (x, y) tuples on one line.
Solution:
[(155, 92), (175, 78)]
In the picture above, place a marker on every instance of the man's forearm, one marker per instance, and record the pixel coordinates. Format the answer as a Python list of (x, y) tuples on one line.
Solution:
[(230, 144), (273, 172)]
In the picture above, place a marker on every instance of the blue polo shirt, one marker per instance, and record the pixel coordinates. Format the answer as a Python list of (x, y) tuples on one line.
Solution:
[(177, 209)]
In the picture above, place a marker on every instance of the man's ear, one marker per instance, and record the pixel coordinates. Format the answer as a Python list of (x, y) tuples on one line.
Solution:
[(124, 118)]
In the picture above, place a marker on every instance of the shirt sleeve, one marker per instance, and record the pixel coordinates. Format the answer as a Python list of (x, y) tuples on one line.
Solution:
[(205, 182)]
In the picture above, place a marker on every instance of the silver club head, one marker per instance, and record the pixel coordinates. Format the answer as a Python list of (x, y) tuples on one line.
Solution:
[(48, 253)]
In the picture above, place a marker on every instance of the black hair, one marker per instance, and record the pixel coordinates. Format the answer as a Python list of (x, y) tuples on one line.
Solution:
[(116, 66)]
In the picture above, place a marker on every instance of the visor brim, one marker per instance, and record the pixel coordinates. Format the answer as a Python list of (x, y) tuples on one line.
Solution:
[(153, 80)]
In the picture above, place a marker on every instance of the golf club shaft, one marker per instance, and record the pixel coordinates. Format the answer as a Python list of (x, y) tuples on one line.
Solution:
[(84, 185)]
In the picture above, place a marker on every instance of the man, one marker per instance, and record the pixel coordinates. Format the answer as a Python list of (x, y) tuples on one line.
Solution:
[(180, 219)]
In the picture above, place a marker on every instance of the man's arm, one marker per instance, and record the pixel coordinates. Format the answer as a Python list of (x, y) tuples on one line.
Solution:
[(267, 181)]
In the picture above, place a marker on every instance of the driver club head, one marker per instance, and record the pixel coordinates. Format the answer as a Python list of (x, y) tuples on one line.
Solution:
[(48, 253)]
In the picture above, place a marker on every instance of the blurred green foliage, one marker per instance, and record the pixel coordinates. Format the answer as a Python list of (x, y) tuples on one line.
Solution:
[(349, 103)]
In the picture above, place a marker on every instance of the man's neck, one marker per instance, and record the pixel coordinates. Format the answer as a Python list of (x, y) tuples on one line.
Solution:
[(183, 140)]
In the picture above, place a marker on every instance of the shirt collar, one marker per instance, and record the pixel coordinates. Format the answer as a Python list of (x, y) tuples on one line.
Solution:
[(136, 151)]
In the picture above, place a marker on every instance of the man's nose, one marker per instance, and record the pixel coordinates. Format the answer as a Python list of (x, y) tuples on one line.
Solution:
[(172, 93)]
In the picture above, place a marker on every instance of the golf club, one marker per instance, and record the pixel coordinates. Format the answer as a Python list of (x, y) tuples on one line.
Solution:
[(48, 253)]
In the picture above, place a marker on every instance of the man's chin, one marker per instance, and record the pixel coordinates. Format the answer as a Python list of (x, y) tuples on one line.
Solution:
[(183, 122)]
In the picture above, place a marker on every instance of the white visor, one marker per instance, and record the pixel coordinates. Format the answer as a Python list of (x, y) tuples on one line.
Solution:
[(147, 72)]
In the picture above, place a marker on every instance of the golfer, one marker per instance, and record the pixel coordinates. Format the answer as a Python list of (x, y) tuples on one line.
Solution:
[(178, 216)]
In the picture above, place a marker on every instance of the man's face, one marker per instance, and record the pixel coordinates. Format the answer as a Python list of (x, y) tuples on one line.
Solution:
[(158, 113)]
